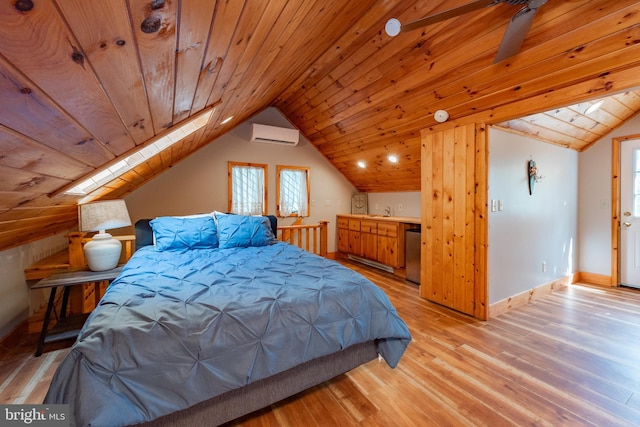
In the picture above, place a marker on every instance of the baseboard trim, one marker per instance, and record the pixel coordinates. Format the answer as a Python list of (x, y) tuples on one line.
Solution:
[(370, 263), (594, 279), (523, 298)]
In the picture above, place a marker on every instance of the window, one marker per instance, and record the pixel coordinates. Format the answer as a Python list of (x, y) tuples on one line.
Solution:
[(143, 153), (292, 187), (247, 188)]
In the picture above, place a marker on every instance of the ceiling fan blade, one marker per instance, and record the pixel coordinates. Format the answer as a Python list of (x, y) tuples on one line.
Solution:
[(517, 30), (451, 13)]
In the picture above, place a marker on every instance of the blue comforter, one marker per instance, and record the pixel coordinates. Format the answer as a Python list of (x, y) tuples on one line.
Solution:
[(177, 328)]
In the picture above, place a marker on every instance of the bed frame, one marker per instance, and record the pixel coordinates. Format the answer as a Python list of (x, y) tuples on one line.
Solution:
[(245, 400), (260, 394)]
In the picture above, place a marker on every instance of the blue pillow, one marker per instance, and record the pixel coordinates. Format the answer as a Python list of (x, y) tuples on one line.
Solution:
[(243, 231), (175, 233)]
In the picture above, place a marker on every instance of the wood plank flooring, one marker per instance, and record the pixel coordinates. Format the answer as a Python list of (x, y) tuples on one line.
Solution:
[(571, 358)]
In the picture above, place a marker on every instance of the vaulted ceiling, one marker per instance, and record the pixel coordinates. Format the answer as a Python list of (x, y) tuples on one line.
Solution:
[(83, 83)]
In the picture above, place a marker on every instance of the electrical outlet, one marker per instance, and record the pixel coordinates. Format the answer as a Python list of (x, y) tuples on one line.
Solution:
[(493, 205), (377, 206), (400, 207), (544, 267), (500, 205)]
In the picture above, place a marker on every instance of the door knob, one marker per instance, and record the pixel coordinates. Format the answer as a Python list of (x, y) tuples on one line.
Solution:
[(626, 224), (627, 214)]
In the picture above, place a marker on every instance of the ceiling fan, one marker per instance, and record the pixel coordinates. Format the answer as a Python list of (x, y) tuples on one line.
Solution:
[(512, 39)]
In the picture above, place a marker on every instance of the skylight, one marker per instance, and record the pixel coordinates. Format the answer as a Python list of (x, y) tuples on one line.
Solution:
[(142, 154)]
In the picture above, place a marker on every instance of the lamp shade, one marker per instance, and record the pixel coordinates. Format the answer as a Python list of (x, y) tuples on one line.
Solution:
[(103, 215), (103, 251)]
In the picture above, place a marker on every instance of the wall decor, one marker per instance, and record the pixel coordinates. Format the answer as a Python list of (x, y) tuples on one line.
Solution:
[(534, 175), (359, 203)]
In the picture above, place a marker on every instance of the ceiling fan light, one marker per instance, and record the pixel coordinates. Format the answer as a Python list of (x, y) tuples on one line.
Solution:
[(392, 27)]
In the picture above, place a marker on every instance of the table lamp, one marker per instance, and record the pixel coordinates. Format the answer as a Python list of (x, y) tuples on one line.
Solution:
[(103, 251)]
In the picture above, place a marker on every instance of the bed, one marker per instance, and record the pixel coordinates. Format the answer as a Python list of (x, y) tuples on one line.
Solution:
[(213, 318)]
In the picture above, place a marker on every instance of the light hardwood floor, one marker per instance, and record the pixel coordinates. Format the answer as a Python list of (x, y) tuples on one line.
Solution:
[(571, 358)]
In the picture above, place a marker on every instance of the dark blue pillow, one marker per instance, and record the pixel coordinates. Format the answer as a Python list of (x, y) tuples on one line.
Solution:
[(243, 231), (176, 233)]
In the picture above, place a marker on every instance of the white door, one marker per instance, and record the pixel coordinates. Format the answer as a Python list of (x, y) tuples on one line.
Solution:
[(630, 213)]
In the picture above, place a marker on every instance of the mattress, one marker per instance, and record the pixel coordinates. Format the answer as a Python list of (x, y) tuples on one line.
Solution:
[(178, 328)]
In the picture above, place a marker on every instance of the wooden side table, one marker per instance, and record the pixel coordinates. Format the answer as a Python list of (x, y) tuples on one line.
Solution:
[(67, 326), (72, 259)]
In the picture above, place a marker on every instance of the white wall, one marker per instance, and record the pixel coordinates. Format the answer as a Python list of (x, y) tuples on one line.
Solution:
[(594, 213), (17, 302), (406, 203), (531, 229), (199, 183), (594, 218)]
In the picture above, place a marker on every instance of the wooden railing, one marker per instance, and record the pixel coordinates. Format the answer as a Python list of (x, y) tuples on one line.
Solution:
[(312, 238)]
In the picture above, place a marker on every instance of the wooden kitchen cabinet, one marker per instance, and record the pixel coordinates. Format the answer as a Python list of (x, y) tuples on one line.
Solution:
[(343, 235), (389, 244), (369, 239), (349, 239), (376, 240), (355, 243)]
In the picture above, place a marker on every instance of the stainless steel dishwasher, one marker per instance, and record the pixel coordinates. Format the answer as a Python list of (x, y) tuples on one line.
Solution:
[(412, 255)]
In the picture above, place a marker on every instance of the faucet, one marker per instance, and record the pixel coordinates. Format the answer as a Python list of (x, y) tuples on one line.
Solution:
[(387, 211)]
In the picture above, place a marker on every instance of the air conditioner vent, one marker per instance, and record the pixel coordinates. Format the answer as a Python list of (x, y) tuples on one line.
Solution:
[(274, 135)]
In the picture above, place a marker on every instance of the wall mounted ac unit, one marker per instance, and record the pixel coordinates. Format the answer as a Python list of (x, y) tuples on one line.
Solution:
[(274, 135)]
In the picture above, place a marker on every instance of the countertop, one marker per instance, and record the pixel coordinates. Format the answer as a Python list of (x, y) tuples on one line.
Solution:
[(377, 217)]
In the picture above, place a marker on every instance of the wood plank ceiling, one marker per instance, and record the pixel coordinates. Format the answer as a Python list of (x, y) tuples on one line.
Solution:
[(574, 126), (84, 83)]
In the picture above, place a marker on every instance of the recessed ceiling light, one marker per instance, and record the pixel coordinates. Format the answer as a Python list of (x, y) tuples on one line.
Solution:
[(392, 158), (227, 120), (362, 164), (594, 107)]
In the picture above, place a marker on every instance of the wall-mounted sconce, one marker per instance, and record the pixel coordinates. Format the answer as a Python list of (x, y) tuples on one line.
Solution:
[(534, 175)]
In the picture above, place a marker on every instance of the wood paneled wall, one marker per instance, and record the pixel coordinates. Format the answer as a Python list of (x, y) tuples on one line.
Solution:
[(454, 220)]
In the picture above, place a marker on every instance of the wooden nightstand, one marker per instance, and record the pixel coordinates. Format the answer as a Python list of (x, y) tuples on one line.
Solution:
[(67, 326)]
